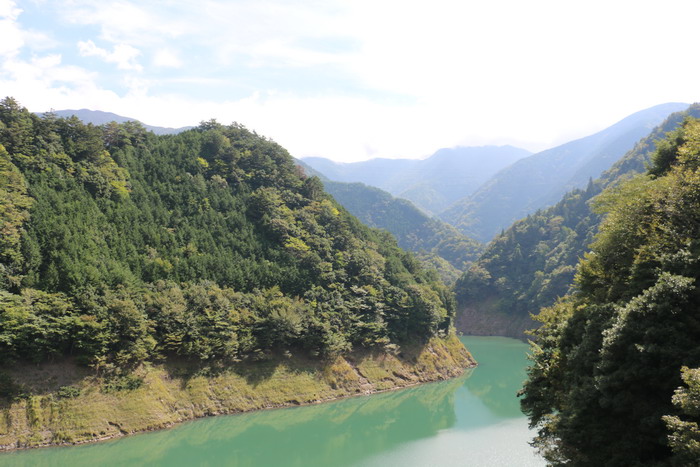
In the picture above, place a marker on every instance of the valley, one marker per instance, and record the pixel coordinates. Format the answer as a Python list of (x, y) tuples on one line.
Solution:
[(207, 272)]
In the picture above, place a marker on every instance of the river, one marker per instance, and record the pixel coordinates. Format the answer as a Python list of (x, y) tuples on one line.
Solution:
[(474, 420)]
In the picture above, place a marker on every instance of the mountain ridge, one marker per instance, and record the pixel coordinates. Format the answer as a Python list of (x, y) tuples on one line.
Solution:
[(527, 184), (432, 183), (533, 262), (100, 117)]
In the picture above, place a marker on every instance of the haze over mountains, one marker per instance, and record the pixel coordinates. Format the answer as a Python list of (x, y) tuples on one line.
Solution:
[(533, 262), (432, 184), (483, 190), (540, 180), (436, 243)]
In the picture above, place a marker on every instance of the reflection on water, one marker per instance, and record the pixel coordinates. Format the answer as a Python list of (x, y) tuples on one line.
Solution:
[(416, 426), (500, 374)]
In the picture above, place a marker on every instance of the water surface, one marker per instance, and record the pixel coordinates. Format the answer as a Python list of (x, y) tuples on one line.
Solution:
[(474, 420)]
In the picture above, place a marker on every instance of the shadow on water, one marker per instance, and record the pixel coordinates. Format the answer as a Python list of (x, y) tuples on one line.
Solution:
[(341, 433), (338, 433)]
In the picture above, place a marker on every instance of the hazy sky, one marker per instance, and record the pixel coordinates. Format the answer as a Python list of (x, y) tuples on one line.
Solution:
[(351, 80)]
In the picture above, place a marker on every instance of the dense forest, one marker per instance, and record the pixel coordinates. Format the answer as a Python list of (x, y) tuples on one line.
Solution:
[(438, 245), (533, 262), (612, 379), (120, 246)]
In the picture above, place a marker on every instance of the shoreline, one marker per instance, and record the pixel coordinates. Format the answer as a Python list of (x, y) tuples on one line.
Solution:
[(166, 401), (115, 437)]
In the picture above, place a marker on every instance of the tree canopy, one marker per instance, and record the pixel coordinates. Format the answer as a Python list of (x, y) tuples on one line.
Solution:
[(120, 246), (607, 358)]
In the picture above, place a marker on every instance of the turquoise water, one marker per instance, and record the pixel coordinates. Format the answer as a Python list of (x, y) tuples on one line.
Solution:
[(472, 420)]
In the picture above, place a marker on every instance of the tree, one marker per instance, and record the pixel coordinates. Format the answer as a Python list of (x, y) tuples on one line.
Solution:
[(607, 359), (684, 436)]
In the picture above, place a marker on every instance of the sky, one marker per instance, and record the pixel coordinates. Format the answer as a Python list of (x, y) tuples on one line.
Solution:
[(357, 79)]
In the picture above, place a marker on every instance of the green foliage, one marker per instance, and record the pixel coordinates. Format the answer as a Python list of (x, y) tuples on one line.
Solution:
[(413, 229), (533, 262), (129, 382), (36, 325), (8, 388), (120, 246), (607, 359), (14, 212), (68, 392), (684, 436)]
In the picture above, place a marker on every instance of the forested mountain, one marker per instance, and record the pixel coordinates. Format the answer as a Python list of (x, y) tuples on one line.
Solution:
[(533, 262), (608, 359), (438, 244), (98, 117), (432, 184), (540, 180), (119, 246)]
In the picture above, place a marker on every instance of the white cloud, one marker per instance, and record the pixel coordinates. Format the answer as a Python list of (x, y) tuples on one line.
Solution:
[(9, 10), (38, 40), (123, 55), (425, 75), (132, 23), (11, 38), (167, 58)]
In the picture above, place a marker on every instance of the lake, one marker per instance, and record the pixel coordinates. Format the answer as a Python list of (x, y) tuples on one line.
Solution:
[(474, 420)]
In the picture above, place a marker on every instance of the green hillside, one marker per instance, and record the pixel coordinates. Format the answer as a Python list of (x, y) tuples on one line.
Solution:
[(120, 246), (609, 357), (533, 262), (437, 244)]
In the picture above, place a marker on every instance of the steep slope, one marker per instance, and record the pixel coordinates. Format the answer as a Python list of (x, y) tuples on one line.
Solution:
[(432, 184), (608, 359), (123, 212), (434, 241), (533, 262), (121, 249), (540, 180)]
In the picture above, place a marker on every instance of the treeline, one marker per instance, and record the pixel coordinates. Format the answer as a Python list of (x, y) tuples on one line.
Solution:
[(533, 263), (608, 359), (120, 246)]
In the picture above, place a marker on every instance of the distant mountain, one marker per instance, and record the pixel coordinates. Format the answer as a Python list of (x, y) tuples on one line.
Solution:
[(533, 262), (437, 244), (432, 184), (98, 117), (540, 180)]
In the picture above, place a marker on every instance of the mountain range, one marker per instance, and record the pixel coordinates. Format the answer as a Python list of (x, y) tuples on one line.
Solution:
[(540, 180), (432, 184), (533, 262), (437, 244), (483, 190)]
